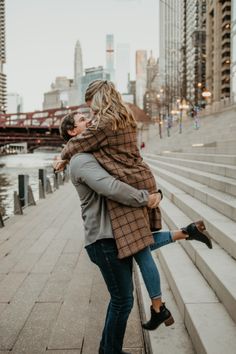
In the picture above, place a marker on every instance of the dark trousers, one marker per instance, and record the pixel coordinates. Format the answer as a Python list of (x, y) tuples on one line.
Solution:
[(118, 278)]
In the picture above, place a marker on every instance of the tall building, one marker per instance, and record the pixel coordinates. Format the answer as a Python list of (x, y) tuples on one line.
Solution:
[(170, 29), (92, 74), (141, 76), (233, 51), (151, 104), (110, 56), (14, 103), (62, 94), (78, 63), (194, 50), (218, 49), (122, 66), (2, 58)]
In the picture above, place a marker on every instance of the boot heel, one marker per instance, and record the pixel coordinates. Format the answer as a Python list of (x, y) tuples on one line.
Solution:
[(169, 321)]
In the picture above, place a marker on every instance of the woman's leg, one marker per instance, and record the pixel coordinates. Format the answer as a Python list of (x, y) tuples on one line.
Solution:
[(150, 276)]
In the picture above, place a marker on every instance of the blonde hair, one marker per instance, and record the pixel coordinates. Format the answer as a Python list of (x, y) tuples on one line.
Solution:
[(108, 106)]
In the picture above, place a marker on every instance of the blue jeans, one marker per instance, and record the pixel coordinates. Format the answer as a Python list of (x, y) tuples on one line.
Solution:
[(117, 274), (147, 265)]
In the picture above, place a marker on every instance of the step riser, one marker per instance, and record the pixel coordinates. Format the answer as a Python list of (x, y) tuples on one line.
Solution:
[(229, 244), (221, 186), (218, 170), (227, 160), (228, 299), (209, 200)]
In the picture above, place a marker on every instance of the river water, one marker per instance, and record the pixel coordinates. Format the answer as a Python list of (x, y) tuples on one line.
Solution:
[(27, 164)]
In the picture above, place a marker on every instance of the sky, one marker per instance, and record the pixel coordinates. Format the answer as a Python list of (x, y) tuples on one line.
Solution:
[(41, 36)]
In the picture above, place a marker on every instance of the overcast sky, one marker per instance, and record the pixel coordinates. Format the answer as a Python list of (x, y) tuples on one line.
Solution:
[(41, 36)]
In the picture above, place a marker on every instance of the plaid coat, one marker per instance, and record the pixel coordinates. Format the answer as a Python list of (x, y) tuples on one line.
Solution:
[(117, 152)]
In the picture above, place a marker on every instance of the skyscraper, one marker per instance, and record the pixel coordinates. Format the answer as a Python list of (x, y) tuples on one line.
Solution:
[(122, 66), (194, 49), (78, 63), (218, 49), (170, 47), (141, 76), (110, 56), (233, 51), (2, 58)]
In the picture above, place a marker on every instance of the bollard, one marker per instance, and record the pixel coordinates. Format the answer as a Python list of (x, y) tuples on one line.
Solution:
[(48, 186), (31, 200), (17, 204), (1, 221), (23, 182), (43, 179), (55, 181), (41, 190), (60, 179)]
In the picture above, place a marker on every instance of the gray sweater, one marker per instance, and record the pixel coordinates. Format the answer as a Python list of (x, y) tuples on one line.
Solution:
[(94, 184)]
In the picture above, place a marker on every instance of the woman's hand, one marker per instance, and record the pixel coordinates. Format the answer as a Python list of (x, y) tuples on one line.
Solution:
[(59, 165), (154, 200)]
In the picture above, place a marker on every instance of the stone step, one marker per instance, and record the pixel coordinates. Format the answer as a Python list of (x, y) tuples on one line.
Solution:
[(214, 168), (214, 158), (223, 203), (223, 184), (221, 228), (210, 327), (221, 275), (159, 341)]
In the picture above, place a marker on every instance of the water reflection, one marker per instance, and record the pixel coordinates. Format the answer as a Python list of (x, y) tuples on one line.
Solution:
[(13, 165)]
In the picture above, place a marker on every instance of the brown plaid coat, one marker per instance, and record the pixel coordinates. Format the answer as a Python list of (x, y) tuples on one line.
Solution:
[(117, 152)]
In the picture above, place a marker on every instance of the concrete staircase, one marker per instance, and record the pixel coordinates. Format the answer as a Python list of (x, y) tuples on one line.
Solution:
[(198, 185)]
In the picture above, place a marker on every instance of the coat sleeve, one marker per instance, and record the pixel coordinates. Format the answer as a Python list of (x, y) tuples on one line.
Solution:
[(90, 140), (85, 168)]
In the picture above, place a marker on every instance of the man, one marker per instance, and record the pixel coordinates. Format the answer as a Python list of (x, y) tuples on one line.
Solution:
[(94, 185)]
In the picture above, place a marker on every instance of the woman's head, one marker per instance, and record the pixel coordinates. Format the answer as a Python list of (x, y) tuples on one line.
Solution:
[(107, 104)]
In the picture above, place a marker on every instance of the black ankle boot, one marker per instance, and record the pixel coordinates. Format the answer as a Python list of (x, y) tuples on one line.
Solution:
[(197, 231), (157, 318)]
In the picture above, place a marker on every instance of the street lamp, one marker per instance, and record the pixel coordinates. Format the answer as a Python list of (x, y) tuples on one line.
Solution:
[(182, 106)]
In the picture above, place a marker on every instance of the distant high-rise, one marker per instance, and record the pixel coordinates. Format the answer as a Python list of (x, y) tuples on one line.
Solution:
[(78, 63), (233, 51), (91, 74), (2, 58), (122, 66), (218, 49), (170, 47), (110, 56), (14, 103), (141, 76)]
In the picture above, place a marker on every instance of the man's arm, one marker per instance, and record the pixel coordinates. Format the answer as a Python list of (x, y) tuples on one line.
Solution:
[(89, 140), (84, 167)]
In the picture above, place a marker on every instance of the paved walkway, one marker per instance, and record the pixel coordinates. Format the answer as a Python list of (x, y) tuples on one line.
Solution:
[(52, 298)]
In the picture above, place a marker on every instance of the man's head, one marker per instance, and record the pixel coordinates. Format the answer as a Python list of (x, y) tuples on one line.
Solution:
[(73, 124)]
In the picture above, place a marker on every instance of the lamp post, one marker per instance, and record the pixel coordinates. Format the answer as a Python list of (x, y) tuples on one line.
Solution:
[(182, 106)]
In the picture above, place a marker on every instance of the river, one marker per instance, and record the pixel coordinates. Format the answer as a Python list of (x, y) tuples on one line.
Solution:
[(28, 164)]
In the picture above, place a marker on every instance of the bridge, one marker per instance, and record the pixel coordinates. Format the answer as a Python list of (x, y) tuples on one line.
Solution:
[(41, 128)]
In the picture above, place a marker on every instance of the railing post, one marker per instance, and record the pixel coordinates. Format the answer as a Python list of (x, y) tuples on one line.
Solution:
[(23, 182), (43, 179), (31, 200), (48, 186), (41, 190), (17, 204), (55, 181), (1, 221)]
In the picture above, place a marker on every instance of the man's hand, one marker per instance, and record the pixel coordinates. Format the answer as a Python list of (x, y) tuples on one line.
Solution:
[(59, 165), (154, 200)]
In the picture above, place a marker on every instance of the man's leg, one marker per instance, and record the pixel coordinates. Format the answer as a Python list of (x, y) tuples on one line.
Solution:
[(118, 277)]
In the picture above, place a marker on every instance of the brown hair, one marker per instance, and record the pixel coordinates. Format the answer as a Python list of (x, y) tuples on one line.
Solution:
[(67, 123), (108, 105)]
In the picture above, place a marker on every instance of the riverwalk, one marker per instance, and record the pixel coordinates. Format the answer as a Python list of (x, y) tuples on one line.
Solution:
[(52, 298)]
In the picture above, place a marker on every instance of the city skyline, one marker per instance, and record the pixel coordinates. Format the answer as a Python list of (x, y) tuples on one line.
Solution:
[(40, 50)]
